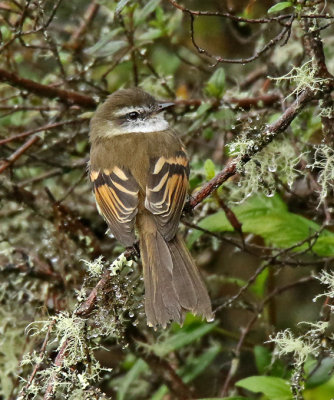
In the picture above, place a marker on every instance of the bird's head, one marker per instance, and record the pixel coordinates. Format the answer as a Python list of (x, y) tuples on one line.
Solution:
[(129, 111)]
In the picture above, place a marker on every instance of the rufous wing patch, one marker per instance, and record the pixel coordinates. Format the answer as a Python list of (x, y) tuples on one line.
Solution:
[(166, 191), (116, 194)]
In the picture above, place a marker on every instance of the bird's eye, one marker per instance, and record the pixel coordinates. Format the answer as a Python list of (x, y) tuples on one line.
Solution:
[(133, 115)]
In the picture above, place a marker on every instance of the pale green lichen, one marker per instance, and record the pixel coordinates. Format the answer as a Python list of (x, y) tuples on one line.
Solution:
[(69, 329), (303, 77), (326, 278), (316, 328), (70, 334), (324, 162), (300, 347), (120, 262), (94, 268), (277, 160)]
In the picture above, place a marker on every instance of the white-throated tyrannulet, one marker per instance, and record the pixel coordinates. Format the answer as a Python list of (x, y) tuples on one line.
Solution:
[(139, 170)]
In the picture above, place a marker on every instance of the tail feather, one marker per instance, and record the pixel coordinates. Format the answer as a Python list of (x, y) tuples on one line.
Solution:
[(173, 285), (193, 294)]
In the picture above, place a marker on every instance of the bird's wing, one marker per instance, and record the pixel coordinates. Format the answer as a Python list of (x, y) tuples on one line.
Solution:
[(116, 195), (166, 191)]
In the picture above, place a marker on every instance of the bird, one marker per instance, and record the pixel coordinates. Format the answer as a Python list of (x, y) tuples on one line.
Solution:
[(139, 171)]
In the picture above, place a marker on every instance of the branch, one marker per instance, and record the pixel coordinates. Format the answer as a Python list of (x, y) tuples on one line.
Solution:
[(77, 40), (268, 135), (278, 19), (58, 214), (41, 357), (158, 365), (18, 153), (64, 96), (245, 331), (53, 378), (41, 129), (243, 102), (315, 50), (285, 20), (284, 32)]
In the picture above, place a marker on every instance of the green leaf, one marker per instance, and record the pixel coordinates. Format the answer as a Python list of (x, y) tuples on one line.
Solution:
[(322, 392), (150, 34), (183, 337), (216, 84), (262, 359), (160, 393), (107, 45), (259, 286), (120, 5), (191, 370), (272, 387), (270, 219), (202, 109), (197, 365), (141, 14), (139, 367), (264, 364), (319, 374), (280, 6), (324, 245), (209, 168), (107, 49)]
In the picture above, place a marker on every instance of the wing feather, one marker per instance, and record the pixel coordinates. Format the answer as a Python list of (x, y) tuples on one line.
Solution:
[(166, 191), (116, 195)]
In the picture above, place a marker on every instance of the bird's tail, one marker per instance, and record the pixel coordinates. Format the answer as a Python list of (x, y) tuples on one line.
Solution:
[(173, 284)]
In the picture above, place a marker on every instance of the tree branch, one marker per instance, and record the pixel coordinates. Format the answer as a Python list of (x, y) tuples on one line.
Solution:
[(268, 135), (64, 96)]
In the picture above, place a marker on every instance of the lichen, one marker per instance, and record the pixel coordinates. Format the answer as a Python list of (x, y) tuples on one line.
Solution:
[(303, 77), (324, 163), (94, 268), (277, 160), (301, 348)]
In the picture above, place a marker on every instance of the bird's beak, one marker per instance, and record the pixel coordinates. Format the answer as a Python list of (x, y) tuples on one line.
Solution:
[(163, 106)]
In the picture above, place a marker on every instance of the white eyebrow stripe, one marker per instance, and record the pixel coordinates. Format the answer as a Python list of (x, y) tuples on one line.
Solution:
[(127, 110), (155, 124)]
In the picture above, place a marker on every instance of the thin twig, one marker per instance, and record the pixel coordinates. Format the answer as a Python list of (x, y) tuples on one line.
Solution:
[(40, 356), (18, 153), (41, 129)]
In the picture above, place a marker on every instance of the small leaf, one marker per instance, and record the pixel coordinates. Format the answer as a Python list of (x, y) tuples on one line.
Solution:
[(141, 14), (106, 49), (270, 219), (259, 286), (319, 374), (107, 45), (182, 338), (197, 365), (150, 34), (131, 376), (272, 387), (216, 84), (202, 109), (120, 5), (191, 370), (280, 6), (262, 359), (209, 168)]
